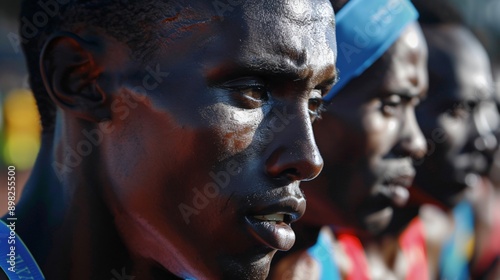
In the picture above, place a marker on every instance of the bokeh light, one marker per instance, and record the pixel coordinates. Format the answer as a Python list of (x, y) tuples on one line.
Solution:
[(21, 129)]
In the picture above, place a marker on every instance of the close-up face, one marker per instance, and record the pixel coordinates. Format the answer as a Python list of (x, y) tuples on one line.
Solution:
[(459, 116), (206, 164), (369, 135)]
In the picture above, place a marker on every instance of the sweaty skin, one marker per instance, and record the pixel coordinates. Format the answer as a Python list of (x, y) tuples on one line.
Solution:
[(196, 156)]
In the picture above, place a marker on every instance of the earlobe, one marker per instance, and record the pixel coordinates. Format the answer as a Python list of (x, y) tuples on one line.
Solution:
[(70, 72)]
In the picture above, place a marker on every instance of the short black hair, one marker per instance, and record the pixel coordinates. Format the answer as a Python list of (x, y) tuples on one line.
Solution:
[(437, 12), (129, 21), (338, 4)]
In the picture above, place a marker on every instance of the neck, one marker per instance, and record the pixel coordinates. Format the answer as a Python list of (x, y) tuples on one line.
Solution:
[(67, 226), (64, 222)]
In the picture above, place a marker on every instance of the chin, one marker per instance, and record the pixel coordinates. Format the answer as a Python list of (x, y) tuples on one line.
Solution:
[(454, 197), (453, 191), (256, 269), (377, 222)]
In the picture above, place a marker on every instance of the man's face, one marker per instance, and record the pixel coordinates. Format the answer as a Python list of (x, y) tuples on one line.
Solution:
[(369, 135), (206, 166), (459, 116)]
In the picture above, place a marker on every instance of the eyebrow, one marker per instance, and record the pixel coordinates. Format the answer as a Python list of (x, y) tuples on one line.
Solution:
[(334, 79), (282, 68), (262, 67)]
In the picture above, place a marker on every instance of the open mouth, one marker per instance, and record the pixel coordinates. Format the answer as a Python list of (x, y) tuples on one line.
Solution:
[(399, 195), (275, 218), (270, 224), (396, 189), (275, 234)]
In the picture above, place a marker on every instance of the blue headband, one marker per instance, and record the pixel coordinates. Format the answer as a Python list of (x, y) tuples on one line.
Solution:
[(365, 30)]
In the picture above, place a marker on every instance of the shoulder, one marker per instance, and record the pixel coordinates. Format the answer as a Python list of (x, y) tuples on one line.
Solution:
[(437, 227), (437, 224)]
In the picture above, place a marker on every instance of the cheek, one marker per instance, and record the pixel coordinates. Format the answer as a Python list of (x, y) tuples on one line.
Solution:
[(156, 165), (150, 157), (381, 134), (233, 129), (453, 134), (329, 134), (339, 138)]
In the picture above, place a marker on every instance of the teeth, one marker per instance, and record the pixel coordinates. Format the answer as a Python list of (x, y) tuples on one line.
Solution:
[(272, 217)]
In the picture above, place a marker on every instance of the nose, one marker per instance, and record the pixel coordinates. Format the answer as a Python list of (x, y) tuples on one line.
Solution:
[(485, 122), (411, 142), (292, 153)]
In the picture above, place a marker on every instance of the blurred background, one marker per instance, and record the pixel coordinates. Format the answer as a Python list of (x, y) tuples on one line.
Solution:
[(19, 121)]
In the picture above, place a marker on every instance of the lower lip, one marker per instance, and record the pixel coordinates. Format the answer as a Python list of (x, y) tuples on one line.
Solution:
[(398, 194), (279, 236)]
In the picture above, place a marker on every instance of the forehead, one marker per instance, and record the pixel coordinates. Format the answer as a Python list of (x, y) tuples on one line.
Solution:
[(294, 38), (459, 66), (291, 18), (407, 72), (287, 33)]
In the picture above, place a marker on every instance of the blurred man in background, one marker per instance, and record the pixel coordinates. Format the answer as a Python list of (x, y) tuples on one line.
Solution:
[(459, 118)]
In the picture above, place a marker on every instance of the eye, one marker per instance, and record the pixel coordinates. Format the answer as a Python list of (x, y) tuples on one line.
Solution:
[(256, 93), (460, 111), (316, 108), (391, 105), (249, 97), (247, 92)]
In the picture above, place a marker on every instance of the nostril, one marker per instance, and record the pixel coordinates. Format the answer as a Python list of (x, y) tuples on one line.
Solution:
[(294, 166), (418, 155), (416, 148), (291, 174)]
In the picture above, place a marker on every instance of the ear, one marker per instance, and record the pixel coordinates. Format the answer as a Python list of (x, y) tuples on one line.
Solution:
[(70, 72)]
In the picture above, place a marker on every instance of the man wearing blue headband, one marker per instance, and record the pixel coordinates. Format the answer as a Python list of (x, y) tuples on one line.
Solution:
[(368, 138), (175, 135)]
